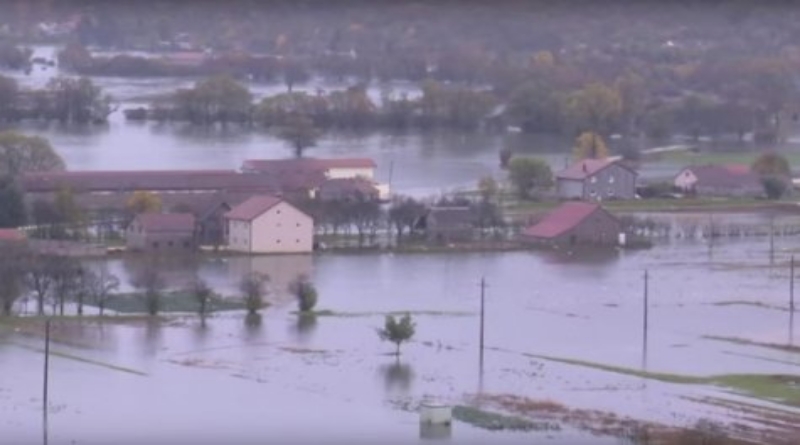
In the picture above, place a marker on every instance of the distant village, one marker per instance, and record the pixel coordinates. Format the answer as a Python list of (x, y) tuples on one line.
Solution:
[(299, 205)]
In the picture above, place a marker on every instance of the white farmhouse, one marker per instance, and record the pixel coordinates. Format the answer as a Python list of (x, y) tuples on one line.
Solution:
[(268, 224)]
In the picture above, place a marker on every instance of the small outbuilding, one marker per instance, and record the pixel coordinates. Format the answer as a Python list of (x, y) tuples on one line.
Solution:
[(575, 223), (161, 231), (444, 224)]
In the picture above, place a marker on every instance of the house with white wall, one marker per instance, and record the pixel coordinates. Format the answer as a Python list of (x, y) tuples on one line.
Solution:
[(268, 224)]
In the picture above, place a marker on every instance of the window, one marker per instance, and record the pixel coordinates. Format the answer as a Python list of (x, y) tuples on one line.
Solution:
[(277, 241), (278, 211), (297, 241), (297, 225), (593, 180), (610, 179)]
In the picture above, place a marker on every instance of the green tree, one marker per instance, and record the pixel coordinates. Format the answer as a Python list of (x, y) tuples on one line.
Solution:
[(397, 331), (305, 292), (216, 99), (69, 214), (771, 164), (774, 187), (143, 202), (78, 100), (253, 288), (528, 175), (9, 91), (534, 106), (594, 108), (12, 204), (22, 154), (299, 132), (589, 145), (202, 294)]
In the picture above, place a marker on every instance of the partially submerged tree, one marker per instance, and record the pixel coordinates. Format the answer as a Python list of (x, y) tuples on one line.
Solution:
[(529, 174), (771, 164), (404, 213), (12, 271), (299, 133), (305, 292), (99, 285), (39, 278), (397, 331), (67, 275), (152, 284), (202, 294), (774, 187), (253, 288), (12, 204)]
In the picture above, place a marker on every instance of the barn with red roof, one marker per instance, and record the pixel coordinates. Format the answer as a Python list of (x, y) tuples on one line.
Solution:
[(574, 223)]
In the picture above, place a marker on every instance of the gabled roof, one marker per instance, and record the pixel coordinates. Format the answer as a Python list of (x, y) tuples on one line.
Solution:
[(586, 168), (166, 222), (12, 235), (562, 219), (729, 176), (276, 166), (253, 207)]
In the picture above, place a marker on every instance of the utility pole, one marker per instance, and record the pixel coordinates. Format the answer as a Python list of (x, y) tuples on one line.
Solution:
[(771, 239), (46, 374), (791, 284), (646, 315), (483, 305)]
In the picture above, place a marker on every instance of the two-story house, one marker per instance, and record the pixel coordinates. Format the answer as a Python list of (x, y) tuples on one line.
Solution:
[(596, 180)]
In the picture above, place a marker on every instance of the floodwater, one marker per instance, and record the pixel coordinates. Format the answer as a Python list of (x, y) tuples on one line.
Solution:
[(331, 377)]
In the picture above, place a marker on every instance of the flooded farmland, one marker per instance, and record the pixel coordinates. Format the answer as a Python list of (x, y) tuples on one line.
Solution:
[(560, 327)]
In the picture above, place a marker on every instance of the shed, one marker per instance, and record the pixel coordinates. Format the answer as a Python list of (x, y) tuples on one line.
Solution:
[(575, 223), (161, 231)]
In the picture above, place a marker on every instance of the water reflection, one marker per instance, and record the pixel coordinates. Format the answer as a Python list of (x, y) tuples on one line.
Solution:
[(252, 326), (305, 326), (435, 431), (201, 333), (398, 377), (152, 337)]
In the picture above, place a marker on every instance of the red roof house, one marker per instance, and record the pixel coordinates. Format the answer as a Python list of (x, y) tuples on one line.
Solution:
[(12, 236), (575, 223), (161, 231)]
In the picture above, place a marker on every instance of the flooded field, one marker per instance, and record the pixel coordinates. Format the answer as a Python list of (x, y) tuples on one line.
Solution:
[(561, 328)]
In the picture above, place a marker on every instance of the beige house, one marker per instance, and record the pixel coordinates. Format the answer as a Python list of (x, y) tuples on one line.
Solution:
[(268, 224), (161, 231)]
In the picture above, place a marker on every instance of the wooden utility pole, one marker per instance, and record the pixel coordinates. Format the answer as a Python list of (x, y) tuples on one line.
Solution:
[(791, 284), (483, 305), (771, 239), (646, 316), (46, 375)]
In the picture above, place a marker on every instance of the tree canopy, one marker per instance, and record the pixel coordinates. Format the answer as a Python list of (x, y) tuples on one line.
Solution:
[(20, 153), (529, 174)]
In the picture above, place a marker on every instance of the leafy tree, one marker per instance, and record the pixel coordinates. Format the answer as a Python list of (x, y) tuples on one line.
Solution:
[(505, 157), (590, 145), (21, 154), (12, 272), (12, 204), (143, 202), (774, 187), (594, 108), (535, 107), (216, 99), (253, 288), (305, 292), (771, 164), (9, 91), (300, 133), (529, 174), (78, 100), (404, 213), (397, 331)]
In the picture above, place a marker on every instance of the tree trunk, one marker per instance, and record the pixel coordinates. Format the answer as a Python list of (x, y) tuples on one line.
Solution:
[(397, 353), (40, 304), (80, 304)]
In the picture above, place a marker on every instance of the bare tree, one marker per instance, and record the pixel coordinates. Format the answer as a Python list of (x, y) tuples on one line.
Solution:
[(66, 276), (11, 276), (98, 286), (253, 288), (202, 293), (150, 281), (39, 278)]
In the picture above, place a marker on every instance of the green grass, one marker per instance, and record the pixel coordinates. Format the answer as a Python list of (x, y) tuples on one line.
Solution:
[(82, 359), (496, 422), (783, 389), (719, 157), (757, 304), (345, 314), (746, 342), (642, 205), (178, 301)]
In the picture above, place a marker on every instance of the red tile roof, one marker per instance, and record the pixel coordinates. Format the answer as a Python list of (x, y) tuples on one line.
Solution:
[(723, 176), (12, 235), (561, 220), (166, 222), (585, 168), (304, 164), (253, 207)]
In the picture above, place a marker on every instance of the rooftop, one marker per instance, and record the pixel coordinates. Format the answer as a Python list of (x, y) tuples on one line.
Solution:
[(253, 207), (304, 164), (584, 168), (562, 219), (166, 222), (12, 235)]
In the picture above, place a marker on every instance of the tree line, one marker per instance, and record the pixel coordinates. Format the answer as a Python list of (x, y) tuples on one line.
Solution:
[(64, 99)]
